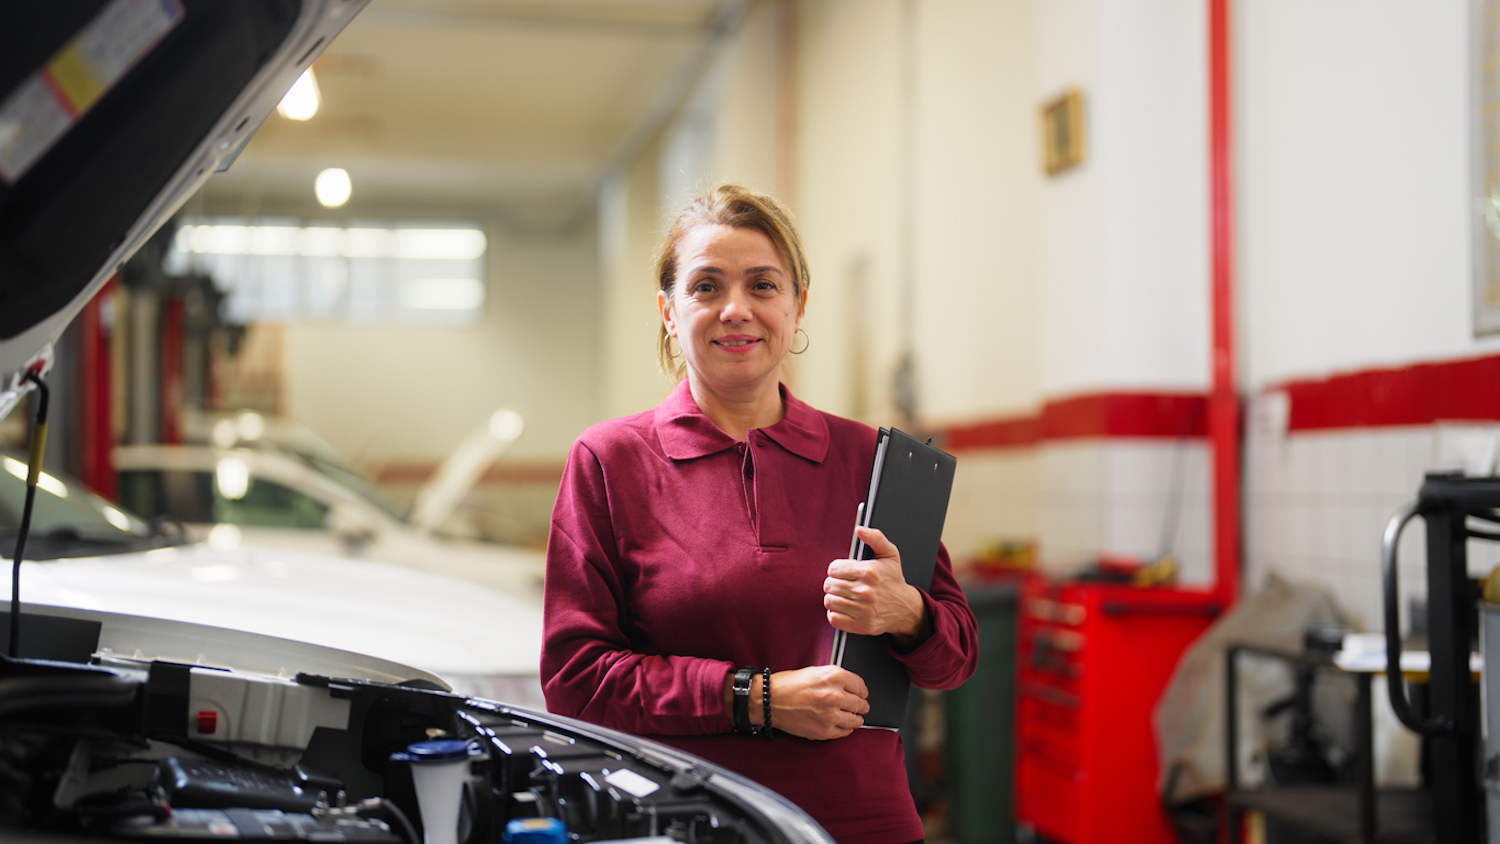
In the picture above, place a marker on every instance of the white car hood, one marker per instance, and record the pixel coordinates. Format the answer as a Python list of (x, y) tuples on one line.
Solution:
[(446, 627)]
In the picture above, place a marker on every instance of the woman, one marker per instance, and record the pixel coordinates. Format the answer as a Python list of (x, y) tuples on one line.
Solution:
[(693, 550)]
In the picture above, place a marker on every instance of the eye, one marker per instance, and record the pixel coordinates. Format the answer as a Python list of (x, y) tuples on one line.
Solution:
[(766, 284), (703, 287)]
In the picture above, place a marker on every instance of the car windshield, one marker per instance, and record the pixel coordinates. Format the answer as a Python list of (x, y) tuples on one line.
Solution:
[(66, 519), (355, 484)]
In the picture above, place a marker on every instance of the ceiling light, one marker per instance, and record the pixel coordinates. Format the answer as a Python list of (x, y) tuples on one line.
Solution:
[(301, 101), (333, 187)]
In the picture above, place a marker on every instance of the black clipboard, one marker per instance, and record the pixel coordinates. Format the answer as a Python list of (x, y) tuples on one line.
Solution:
[(910, 484)]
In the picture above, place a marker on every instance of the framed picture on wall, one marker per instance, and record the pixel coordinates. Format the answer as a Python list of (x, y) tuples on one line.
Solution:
[(1062, 132)]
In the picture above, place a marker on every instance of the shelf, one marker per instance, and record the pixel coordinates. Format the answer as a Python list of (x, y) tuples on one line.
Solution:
[(1402, 816)]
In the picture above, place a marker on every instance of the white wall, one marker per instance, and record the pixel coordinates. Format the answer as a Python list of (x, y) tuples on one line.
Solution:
[(978, 183), (849, 158), (1124, 236), (384, 393), (1352, 177), (1354, 244), (1151, 114)]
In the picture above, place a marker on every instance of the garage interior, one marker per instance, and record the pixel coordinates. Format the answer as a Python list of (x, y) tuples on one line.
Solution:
[(1197, 293)]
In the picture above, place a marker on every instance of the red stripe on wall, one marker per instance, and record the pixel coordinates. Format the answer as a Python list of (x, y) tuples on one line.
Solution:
[(419, 472), (1005, 433), (1151, 415), (1125, 415), (1419, 394), (1411, 395)]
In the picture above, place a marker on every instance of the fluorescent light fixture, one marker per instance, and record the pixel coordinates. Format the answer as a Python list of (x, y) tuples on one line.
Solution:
[(333, 187), (460, 244), (330, 242), (301, 101), (442, 294), (367, 243)]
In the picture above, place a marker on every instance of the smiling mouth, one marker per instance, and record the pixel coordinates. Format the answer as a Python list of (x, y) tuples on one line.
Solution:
[(735, 343)]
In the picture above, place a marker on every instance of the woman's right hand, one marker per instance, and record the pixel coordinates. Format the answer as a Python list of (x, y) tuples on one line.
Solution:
[(818, 702)]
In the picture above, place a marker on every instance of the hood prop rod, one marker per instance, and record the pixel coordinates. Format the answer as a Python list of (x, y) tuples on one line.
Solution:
[(33, 472)]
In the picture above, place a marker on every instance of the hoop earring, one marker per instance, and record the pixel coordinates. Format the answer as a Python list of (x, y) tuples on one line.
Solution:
[(671, 355), (806, 341)]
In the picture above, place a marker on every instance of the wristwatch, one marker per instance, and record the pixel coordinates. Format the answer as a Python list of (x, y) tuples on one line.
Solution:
[(741, 709)]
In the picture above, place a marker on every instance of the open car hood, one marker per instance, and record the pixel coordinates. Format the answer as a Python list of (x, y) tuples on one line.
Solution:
[(112, 114)]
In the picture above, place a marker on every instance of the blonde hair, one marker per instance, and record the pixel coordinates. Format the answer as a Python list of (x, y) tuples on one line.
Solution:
[(737, 207)]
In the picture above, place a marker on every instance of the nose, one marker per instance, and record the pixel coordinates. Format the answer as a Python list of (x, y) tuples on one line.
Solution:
[(736, 307)]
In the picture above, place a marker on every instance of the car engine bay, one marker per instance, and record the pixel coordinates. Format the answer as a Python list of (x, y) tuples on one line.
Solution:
[(125, 747)]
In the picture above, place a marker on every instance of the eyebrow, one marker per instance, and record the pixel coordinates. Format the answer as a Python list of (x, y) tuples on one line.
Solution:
[(713, 270)]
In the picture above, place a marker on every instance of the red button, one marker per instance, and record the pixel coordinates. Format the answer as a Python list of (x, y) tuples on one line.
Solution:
[(208, 721)]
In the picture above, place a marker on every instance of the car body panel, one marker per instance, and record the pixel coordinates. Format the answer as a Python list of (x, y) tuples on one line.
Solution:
[(351, 526)]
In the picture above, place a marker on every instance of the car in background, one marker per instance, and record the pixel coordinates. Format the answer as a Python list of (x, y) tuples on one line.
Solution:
[(86, 553), (437, 501), (275, 499)]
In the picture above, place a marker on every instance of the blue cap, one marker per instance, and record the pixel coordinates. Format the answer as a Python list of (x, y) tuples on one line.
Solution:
[(535, 831), (437, 750)]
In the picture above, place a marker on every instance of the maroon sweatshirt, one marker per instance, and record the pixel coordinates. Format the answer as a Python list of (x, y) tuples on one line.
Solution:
[(678, 553)]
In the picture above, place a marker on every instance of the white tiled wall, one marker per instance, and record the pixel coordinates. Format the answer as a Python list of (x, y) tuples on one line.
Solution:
[(1076, 498), (994, 500), (1316, 507)]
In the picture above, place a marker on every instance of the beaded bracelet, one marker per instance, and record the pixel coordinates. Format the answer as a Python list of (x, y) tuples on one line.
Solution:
[(741, 711), (765, 702)]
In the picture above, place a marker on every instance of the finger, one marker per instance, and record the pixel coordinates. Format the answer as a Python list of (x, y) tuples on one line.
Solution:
[(848, 610), (855, 685), (843, 621), (848, 589), (846, 569), (878, 543)]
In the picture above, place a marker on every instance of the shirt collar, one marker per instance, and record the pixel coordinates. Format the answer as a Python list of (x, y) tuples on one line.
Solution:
[(686, 433)]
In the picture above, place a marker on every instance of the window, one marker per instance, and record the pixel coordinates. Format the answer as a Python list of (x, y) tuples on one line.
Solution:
[(269, 504), (200, 497), (360, 273)]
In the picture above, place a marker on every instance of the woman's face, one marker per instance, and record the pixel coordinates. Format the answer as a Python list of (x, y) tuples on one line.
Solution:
[(734, 309)]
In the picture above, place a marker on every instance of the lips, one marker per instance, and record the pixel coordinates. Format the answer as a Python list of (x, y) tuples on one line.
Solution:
[(735, 342)]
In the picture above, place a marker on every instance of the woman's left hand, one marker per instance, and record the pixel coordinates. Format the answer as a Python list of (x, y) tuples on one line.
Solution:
[(872, 597)]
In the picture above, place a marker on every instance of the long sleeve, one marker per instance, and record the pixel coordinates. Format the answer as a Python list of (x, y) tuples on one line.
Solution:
[(677, 553), (589, 668), (950, 655)]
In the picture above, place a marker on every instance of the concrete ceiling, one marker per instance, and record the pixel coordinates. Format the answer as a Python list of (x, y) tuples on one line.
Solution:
[(513, 109)]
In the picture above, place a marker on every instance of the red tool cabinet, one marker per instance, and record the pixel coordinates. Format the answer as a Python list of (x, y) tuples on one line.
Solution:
[(1093, 659)]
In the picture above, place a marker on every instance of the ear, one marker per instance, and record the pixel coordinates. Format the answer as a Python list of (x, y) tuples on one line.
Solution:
[(666, 312), (801, 306)]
